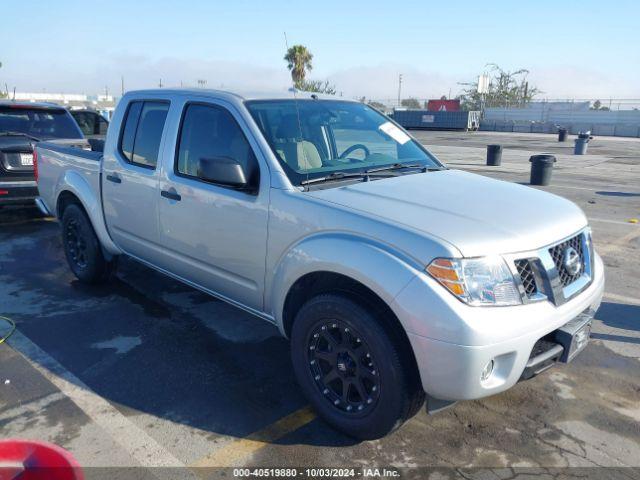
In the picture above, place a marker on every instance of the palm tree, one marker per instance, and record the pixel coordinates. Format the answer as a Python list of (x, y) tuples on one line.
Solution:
[(298, 60), (3, 94)]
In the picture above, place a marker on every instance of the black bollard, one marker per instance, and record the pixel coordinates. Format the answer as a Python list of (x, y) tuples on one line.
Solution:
[(494, 155), (562, 134), (541, 168)]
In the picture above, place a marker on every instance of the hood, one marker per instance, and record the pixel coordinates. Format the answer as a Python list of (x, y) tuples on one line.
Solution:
[(478, 215)]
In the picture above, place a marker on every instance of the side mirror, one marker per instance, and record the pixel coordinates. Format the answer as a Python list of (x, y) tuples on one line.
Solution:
[(97, 145), (223, 171)]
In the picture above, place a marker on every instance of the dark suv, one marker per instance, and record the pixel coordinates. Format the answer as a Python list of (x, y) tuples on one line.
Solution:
[(92, 124), (22, 125)]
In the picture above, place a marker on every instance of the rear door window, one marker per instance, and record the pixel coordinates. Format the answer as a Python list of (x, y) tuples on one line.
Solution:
[(142, 132)]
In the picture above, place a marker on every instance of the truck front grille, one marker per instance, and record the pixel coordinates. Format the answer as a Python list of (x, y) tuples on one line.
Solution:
[(526, 275), (557, 254), (551, 273)]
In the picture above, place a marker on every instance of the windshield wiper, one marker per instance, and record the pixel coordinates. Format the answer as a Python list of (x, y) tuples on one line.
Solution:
[(18, 134), (399, 166), (342, 175)]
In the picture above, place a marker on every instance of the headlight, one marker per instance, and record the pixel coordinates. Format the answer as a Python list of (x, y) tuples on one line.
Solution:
[(477, 281)]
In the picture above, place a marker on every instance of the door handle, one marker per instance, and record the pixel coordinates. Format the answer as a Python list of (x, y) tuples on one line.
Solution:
[(114, 178), (171, 195)]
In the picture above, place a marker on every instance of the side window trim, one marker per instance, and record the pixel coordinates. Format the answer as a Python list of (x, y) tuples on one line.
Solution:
[(176, 157), (121, 153), (123, 128)]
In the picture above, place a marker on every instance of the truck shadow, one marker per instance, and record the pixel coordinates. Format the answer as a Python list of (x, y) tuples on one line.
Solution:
[(11, 215), (153, 345), (619, 316)]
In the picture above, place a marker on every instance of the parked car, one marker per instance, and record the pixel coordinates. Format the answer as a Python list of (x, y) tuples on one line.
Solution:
[(91, 123), (391, 274), (22, 125)]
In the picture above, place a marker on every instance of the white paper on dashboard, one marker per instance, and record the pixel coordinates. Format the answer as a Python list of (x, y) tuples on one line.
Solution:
[(394, 132)]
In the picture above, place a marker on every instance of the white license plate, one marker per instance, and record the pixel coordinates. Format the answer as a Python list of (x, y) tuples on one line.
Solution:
[(580, 340), (26, 159)]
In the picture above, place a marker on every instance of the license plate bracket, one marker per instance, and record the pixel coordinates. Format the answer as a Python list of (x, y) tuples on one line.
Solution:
[(574, 336)]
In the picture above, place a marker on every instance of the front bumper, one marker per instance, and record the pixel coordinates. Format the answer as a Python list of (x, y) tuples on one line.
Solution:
[(453, 342), (18, 193)]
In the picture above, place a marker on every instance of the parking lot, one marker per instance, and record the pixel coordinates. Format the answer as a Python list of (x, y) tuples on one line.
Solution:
[(148, 372)]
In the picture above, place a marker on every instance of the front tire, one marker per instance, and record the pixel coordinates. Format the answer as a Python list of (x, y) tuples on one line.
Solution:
[(82, 247), (352, 368)]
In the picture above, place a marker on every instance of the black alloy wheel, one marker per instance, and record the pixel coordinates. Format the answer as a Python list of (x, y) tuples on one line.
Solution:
[(343, 368), (82, 247), (76, 245), (353, 366)]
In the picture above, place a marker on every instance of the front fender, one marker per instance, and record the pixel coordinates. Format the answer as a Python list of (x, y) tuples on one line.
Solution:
[(376, 265), (76, 184)]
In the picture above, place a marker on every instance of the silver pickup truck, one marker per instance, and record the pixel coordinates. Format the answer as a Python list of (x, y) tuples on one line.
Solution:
[(395, 278)]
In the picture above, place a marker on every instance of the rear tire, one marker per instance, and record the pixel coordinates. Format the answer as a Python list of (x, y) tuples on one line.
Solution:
[(353, 368), (82, 247)]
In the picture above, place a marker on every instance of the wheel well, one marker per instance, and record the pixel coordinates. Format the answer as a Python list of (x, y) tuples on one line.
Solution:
[(65, 199), (317, 283)]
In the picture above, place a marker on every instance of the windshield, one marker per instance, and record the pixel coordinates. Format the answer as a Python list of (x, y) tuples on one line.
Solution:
[(41, 123), (323, 137)]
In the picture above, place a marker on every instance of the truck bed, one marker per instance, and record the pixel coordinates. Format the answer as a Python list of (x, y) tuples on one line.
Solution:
[(59, 158)]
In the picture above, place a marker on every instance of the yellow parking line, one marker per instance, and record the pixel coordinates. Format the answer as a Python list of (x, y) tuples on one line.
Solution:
[(232, 453)]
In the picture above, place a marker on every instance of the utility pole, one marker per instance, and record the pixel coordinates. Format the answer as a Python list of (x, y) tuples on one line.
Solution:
[(160, 84), (399, 88)]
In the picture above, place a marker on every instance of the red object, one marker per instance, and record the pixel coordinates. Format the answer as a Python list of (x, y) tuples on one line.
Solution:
[(443, 105), (31, 460), (4, 192), (35, 165)]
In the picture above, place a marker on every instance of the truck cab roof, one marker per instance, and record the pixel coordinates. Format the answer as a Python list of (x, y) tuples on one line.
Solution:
[(241, 95)]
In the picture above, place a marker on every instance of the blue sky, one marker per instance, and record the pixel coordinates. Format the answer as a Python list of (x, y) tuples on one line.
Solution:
[(573, 49)]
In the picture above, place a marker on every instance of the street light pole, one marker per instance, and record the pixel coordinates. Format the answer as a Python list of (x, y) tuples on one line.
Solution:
[(399, 88)]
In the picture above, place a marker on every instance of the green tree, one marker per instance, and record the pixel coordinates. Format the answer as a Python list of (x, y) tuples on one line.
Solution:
[(372, 103), (506, 89), (2, 94), (378, 105), (597, 105), (411, 102), (298, 60), (317, 86)]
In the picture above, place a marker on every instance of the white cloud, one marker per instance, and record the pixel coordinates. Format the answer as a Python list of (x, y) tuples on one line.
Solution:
[(145, 73), (580, 82), (373, 81), (381, 82)]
